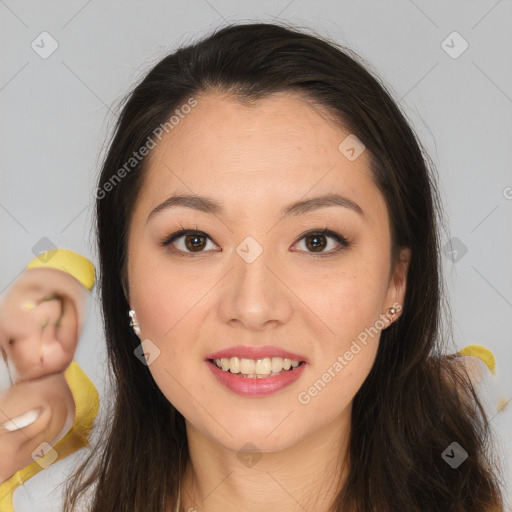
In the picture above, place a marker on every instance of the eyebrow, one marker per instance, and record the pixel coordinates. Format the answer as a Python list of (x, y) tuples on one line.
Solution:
[(209, 205)]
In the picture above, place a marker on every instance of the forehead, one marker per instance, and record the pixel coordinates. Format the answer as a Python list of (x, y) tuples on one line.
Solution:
[(279, 147)]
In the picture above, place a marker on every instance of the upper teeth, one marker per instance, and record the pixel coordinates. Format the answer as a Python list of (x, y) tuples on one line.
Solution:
[(266, 366)]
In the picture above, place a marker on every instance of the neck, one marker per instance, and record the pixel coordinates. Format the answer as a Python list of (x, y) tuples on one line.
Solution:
[(305, 476)]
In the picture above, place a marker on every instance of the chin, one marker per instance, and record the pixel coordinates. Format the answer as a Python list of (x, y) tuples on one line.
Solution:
[(263, 435)]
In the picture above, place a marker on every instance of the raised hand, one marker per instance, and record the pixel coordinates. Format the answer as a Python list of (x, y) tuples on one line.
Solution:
[(41, 319)]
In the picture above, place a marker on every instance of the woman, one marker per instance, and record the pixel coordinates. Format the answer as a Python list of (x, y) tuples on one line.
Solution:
[(266, 222)]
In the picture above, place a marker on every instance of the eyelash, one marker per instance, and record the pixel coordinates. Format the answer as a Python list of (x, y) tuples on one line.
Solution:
[(343, 241)]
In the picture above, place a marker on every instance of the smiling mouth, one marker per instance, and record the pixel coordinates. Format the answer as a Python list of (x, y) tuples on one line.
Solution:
[(256, 368)]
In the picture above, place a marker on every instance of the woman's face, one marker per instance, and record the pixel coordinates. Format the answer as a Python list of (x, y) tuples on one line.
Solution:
[(251, 278)]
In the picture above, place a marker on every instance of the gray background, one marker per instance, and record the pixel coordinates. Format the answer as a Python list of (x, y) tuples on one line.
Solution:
[(57, 113)]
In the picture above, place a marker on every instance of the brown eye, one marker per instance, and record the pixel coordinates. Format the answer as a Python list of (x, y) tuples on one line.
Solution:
[(195, 242), (186, 242), (317, 241)]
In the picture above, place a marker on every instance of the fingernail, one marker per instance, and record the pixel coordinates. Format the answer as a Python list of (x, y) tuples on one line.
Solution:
[(22, 421)]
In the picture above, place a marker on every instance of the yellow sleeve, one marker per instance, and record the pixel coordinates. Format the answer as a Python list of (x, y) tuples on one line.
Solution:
[(482, 353), (485, 355)]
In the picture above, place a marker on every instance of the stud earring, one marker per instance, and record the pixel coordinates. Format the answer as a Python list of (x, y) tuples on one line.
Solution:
[(391, 312), (133, 323)]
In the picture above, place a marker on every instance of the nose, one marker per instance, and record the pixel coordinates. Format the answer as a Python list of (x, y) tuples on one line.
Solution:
[(256, 295)]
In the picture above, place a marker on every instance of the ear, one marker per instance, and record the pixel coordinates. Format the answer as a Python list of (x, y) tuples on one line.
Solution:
[(398, 280), (125, 290), (41, 319)]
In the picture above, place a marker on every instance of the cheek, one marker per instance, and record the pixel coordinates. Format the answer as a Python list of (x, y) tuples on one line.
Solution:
[(346, 301), (163, 295), (346, 343), (170, 307), (332, 387)]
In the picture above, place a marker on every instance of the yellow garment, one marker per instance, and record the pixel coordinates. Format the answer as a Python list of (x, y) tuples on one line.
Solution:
[(86, 400), (68, 261), (482, 353)]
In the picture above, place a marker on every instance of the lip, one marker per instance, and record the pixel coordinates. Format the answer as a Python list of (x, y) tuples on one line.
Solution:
[(250, 387), (256, 353)]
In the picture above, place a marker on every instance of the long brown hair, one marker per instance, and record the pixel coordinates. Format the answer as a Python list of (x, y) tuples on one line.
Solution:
[(415, 401)]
